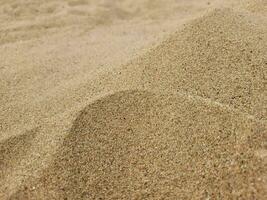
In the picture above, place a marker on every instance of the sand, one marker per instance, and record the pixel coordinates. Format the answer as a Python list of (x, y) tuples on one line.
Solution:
[(145, 99)]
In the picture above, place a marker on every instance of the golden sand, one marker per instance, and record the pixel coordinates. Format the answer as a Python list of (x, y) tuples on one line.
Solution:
[(133, 99)]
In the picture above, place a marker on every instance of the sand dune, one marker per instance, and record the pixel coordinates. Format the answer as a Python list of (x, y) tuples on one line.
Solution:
[(137, 144), (221, 56), (179, 114)]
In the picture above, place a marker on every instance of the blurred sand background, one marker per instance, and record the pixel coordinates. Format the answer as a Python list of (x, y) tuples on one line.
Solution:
[(133, 99)]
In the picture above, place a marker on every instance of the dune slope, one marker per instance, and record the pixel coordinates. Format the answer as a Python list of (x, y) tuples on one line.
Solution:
[(185, 120), (221, 56), (137, 144)]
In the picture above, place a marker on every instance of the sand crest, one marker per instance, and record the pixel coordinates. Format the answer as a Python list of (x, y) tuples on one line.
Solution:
[(137, 144), (179, 114)]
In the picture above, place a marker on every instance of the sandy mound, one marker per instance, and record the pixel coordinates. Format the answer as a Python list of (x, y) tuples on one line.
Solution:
[(221, 56), (191, 124), (136, 145)]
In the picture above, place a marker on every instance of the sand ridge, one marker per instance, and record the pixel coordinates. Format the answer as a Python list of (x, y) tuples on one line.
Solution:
[(212, 67), (142, 153), (184, 119)]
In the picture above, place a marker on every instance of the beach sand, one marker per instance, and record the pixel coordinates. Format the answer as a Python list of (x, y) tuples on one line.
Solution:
[(133, 99)]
